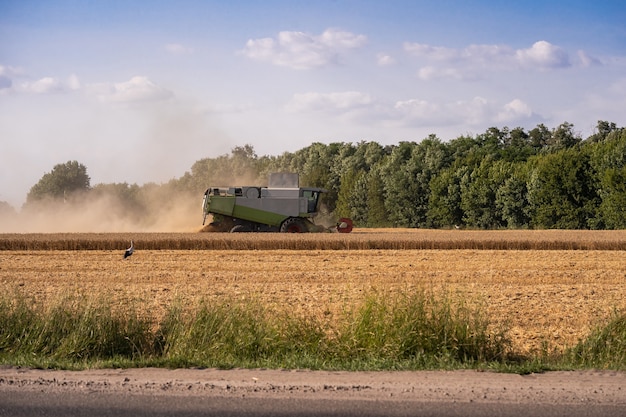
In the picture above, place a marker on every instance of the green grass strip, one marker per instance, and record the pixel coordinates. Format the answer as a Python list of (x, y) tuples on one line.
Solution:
[(410, 331)]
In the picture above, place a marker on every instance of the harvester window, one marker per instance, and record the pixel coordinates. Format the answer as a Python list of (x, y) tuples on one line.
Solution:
[(312, 197)]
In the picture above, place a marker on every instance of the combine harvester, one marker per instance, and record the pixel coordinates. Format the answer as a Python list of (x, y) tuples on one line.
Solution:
[(283, 206)]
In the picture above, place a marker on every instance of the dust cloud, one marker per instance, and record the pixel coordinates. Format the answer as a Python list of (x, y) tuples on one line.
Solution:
[(119, 208), (106, 213)]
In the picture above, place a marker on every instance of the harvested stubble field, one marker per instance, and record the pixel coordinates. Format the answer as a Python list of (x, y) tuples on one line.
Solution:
[(550, 288)]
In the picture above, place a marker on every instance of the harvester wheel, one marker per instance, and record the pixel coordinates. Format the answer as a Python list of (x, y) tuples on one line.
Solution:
[(293, 225)]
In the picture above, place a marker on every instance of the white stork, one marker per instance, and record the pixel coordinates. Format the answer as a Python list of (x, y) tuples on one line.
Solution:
[(130, 250)]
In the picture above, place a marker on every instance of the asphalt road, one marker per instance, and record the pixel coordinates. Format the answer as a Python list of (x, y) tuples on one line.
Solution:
[(80, 404), (263, 392)]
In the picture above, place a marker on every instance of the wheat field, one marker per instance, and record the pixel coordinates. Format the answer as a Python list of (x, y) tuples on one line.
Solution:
[(549, 288), (359, 239)]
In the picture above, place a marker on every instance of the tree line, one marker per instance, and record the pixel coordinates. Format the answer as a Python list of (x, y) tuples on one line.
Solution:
[(503, 178)]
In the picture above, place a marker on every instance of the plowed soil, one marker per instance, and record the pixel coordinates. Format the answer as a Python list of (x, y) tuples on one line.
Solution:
[(547, 298)]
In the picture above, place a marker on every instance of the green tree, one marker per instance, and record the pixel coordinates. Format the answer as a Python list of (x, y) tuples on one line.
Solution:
[(241, 167), (539, 137), (407, 175), (444, 206), (613, 206), (460, 147), (346, 205), (316, 166), (400, 187), (63, 182), (358, 199), (361, 193), (517, 146), (478, 194), (377, 215), (608, 159), (493, 140), (562, 193), (563, 137), (603, 129), (512, 199)]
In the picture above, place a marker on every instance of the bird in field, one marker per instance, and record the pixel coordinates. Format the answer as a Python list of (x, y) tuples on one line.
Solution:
[(130, 250)]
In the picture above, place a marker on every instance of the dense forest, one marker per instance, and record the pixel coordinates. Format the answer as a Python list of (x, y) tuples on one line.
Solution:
[(502, 178)]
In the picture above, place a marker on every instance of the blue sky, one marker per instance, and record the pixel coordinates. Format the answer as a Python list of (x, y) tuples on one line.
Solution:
[(139, 90)]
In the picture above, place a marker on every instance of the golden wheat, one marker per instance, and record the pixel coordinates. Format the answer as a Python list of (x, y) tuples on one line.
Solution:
[(363, 239)]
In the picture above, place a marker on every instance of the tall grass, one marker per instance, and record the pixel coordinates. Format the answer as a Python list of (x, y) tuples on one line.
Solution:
[(605, 348), (240, 335), (420, 330), (413, 331), (70, 332)]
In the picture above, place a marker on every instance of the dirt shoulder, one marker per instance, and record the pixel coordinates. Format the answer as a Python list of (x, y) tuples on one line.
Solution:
[(589, 387)]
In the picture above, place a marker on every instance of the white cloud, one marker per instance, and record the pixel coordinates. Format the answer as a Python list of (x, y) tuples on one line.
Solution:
[(137, 89), (415, 112), (543, 55), (178, 49), (488, 55), (341, 101), (587, 60), (472, 112), (415, 109), (431, 73), (9, 71), (50, 85), (513, 111), (443, 62), (475, 112), (478, 111), (336, 39), (385, 60), (73, 83), (435, 53), (43, 86), (300, 50)]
